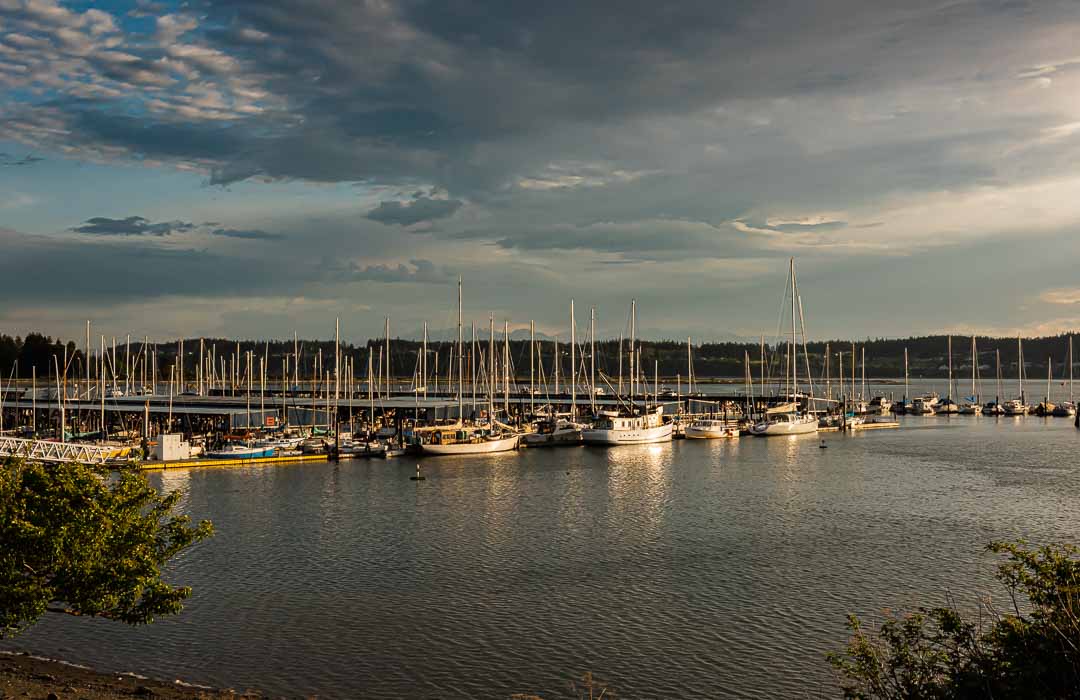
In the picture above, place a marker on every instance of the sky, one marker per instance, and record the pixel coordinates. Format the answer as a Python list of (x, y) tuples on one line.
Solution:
[(251, 168)]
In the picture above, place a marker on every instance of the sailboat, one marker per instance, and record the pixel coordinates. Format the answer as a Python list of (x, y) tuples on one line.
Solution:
[(1045, 408), (947, 405), (557, 430), (972, 407), (904, 407), (460, 439), (1018, 406), (631, 425), (1067, 409), (791, 422), (994, 408)]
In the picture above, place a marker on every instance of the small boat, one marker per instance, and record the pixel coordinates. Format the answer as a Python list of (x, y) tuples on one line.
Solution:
[(993, 408), (239, 451), (1015, 407), (1018, 407), (969, 409), (1065, 409), (705, 428), (550, 433), (313, 445), (613, 428), (946, 407), (361, 448), (785, 424), (924, 405), (879, 404), (469, 442)]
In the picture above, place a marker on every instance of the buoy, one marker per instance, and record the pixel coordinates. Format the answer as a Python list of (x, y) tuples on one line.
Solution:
[(417, 477), (822, 446)]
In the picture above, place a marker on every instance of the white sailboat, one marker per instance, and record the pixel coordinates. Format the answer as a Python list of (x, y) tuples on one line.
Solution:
[(705, 428), (1018, 406), (994, 408), (792, 422), (471, 440), (632, 426), (947, 406), (1045, 408), (557, 431), (971, 407), (1067, 409)]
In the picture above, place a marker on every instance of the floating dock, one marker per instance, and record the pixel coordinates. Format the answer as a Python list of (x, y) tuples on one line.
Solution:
[(250, 462)]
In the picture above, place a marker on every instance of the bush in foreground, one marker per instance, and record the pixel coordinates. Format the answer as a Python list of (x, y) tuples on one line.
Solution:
[(1029, 650), (87, 541)]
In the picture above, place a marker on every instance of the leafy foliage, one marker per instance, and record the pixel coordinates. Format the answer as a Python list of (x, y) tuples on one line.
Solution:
[(84, 541), (1029, 651)]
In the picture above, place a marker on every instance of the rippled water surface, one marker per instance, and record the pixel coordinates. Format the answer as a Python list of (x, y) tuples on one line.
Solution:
[(692, 569)]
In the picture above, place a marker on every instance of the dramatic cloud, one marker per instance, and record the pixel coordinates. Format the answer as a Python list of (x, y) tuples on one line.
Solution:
[(420, 208), (29, 159), (545, 150), (421, 271), (131, 226), (250, 234)]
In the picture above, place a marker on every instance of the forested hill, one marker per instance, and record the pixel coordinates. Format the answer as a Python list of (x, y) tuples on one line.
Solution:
[(884, 357)]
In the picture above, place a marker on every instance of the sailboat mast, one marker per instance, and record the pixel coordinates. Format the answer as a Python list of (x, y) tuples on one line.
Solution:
[(997, 355), (1049, 370), (573, 363), (974, 367), (423, 362), (555, 361), (532, 367), (689, 367), (491, 369), (461, 388), (506, 367), (1070, 369), (862, 391), (592, 359), (387, 357), (906, 384), (949, 344), (633, 337), (1020, 366), (792, 352), (762, 392)]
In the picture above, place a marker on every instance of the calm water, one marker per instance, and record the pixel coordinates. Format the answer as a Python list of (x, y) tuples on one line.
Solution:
[(693, 569)]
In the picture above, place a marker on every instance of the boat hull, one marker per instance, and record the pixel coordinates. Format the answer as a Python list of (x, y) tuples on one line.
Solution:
[(254, 453), (784, 428), (693, 433), (627, 436), (473, 448), (556, 439)]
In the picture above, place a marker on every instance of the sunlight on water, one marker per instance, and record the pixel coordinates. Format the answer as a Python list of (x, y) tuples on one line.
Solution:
[(700, 568)]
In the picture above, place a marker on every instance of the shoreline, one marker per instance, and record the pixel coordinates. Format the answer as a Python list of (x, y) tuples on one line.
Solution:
[(27, 675)]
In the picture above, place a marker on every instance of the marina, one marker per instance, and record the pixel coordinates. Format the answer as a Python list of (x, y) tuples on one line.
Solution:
[(235, 409)]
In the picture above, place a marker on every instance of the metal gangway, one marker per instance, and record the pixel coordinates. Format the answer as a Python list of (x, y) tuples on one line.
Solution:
[(48, 451)]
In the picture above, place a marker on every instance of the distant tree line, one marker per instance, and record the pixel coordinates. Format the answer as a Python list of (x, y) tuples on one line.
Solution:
[(927, 357)]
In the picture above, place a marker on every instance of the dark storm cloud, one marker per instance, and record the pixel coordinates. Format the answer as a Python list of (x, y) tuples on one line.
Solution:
[(135, 269), (8, 159), (386, 93), (249, 234), (131, 226), (420, 271), (420, 208)]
